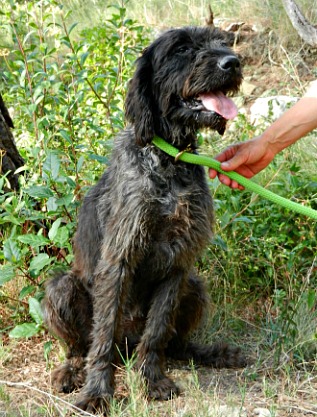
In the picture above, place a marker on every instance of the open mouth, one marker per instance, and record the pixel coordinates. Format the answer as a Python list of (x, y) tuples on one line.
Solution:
[(216, 102)]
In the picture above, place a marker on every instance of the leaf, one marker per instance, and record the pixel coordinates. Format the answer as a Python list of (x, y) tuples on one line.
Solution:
[(72, 27), (39, 191), (51, 204), (53, 230), (64, 201), (99, 158), (62, 236), (48, 346), (35, 311), (243, 219), (65, 41), (21, 169), (26, 37), (11, 219), (51, 164), (39, 262), (80, 162), (24, 330), (22, 78), (7, 273), (65, 135), (33, 240), (83, 58), (26, 291), (70, 182), (38, 92), (217, 240), (311, 298), (11, 251)]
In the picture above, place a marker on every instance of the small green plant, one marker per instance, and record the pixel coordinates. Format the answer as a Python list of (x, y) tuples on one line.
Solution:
[(30, 329)]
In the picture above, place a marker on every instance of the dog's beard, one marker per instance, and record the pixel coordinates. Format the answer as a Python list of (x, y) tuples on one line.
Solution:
[(208, 97)]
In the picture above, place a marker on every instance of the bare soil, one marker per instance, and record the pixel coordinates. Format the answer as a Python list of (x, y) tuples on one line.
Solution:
[(25, 388)]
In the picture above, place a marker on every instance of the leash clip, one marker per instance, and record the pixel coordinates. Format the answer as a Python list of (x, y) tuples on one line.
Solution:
[(188, 149)]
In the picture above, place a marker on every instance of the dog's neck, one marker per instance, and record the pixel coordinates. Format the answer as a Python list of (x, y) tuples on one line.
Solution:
[(188, 149), (189, 142)]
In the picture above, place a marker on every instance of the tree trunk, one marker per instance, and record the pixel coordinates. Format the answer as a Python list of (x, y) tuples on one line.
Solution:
[(305, 30), (10, 159)]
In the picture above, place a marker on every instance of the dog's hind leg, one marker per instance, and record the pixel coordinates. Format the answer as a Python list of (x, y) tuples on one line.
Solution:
[(190, 313), (68, 314), (218, 355)]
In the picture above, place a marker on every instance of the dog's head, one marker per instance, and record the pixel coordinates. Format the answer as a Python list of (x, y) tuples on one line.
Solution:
[(181, 84)]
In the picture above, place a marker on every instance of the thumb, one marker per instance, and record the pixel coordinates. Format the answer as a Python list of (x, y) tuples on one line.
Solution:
[(233, 163)]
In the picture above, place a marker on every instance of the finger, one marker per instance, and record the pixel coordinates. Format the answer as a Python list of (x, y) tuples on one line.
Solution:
[(224, 180), (236, 186), (212, 173), (230, 183)]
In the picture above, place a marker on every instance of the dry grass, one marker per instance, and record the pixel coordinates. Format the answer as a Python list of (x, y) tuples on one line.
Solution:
[(25, 388)]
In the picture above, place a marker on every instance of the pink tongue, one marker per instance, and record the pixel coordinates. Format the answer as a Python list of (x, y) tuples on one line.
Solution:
[(220, 104)]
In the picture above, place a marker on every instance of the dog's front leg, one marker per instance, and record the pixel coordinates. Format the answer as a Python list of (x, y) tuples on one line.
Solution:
[(108, 292), (160, 328)]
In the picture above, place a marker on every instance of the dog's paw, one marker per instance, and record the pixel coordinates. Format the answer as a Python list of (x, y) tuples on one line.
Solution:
[(69, 376), (226, 356), (91, 404), (163, 389)]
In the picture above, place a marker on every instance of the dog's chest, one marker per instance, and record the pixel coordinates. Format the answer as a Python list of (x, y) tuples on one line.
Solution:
[(182, 201), (177, 206), (154, 201)]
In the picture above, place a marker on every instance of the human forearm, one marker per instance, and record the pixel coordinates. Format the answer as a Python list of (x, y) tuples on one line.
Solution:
[(250, 157), (292, 125)]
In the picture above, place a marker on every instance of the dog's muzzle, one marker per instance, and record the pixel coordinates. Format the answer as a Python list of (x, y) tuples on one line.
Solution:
[(230, 64)]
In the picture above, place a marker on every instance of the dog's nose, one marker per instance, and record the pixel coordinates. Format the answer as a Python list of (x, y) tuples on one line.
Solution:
[(229, 63)]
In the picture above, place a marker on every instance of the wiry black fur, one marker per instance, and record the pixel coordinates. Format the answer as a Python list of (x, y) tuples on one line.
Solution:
[(142, 227)]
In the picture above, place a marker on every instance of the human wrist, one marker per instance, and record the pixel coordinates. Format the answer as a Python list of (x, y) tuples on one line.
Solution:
[(270, 142), (283, 133), (292, 125)]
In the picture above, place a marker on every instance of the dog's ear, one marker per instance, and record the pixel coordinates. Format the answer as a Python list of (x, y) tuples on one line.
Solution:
[(139, 100)]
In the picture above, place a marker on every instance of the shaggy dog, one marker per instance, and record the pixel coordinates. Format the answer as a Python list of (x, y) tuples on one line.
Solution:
[(142, 227)]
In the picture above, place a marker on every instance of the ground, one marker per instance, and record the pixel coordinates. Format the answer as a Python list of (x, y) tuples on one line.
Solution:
[(25, 389)]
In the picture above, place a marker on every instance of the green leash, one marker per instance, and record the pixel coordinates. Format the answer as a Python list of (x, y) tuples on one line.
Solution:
[(212, 163)]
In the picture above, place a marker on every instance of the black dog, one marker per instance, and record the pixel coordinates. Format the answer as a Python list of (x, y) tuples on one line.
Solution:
[(144, 224)]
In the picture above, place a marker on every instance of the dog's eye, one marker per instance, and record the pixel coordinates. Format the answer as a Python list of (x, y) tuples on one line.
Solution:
[(183, 49)]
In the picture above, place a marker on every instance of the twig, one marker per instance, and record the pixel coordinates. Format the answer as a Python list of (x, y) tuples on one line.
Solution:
[(304, 410), (28, 76), (51, 396), (15, 300)]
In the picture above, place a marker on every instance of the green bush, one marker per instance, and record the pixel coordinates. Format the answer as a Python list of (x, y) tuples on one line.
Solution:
[(67, 94), (263, 255)]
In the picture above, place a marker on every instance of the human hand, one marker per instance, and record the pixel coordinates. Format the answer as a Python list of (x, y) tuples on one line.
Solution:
[(245, 158)]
